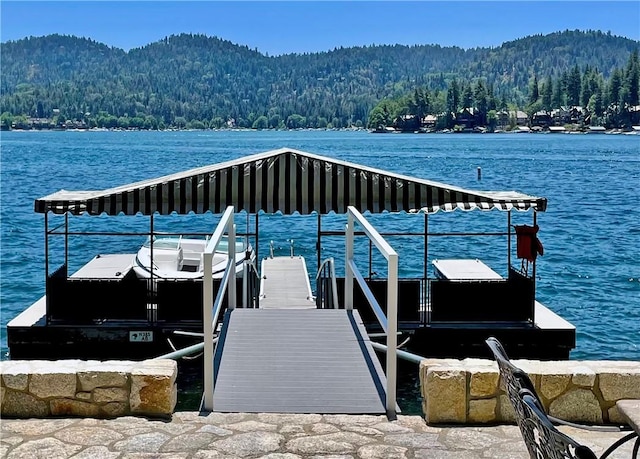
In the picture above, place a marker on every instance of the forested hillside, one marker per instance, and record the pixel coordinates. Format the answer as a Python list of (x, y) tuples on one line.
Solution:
[(200, 81)]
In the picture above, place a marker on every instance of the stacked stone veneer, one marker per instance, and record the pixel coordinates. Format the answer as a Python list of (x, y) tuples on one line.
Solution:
[(37, 388), (468, 391)]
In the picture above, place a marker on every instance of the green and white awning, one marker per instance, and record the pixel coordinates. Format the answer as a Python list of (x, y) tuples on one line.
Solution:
[(284, 180)]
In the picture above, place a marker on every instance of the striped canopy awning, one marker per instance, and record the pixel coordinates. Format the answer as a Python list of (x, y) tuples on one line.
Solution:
[(284, 180)]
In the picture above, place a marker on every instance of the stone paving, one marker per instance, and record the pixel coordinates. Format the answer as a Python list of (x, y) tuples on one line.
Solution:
[(191, 435)]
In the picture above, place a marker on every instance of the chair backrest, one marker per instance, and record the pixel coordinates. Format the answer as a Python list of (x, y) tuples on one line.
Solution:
[(513, 381), (513, 378), (543, 439)]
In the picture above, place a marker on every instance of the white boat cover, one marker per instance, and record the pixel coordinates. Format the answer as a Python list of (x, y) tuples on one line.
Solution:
[(284, 180)]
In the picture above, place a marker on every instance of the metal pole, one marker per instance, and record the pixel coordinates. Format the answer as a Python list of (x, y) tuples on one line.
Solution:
[(46, 245), (319, 240), (392, 333), (207, 317), (348, 275), (415, 358), (151, 249), (425, 287), (232, 257), (66, 240), (533, 273), (257, 237), (245, 283), (370, 257), (46, 263), (508, 241), (175, 355)]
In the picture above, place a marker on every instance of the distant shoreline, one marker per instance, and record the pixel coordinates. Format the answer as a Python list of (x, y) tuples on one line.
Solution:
[(634, 131)]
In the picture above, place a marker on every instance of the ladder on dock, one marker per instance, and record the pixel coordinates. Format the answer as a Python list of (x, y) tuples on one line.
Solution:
[(290, 357)]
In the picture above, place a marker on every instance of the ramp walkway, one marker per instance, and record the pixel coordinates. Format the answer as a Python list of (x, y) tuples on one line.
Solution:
[(289, 357), (285, 284)]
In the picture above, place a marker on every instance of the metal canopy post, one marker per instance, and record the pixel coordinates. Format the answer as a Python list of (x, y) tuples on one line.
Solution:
[(257, 237), (66, 240), (46, 263), (425, 287), (533, 272), (46, 245), (319, 240), (151, 251), (508, 241)]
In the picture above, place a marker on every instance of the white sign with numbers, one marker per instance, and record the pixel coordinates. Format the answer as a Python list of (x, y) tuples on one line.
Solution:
[(140, 336)]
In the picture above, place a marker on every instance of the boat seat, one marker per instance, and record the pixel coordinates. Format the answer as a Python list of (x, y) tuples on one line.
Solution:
[(168, 259)]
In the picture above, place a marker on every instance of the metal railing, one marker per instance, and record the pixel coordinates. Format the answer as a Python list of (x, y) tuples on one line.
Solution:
[(250, 284), (389, 322), (210, 309), (291, 248), (327, 290)]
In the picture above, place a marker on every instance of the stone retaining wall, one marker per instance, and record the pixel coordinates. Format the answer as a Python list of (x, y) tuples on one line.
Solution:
[(467, 391), (38, 388)]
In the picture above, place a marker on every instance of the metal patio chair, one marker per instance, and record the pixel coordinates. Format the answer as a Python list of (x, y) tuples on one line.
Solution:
[(516, 380), (547, 442)]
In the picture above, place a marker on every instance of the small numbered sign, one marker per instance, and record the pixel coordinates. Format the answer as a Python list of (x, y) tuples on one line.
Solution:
[(140, 336)]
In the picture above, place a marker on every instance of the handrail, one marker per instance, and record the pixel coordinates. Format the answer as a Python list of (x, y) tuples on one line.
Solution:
[(389, 322), (291, 248), (250, 285), (375, 306), (322, 298), (228, 283)]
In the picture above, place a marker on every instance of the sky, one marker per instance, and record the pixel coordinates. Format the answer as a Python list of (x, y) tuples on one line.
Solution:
[(276, 28)]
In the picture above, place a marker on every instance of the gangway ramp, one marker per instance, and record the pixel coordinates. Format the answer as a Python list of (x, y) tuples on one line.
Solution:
[(289, 357), (296, 361)]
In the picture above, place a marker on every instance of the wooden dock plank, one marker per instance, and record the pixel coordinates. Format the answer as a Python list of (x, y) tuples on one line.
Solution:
[(296, 361)]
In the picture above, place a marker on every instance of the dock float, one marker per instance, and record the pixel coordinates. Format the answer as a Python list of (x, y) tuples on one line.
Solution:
[(289, 357)]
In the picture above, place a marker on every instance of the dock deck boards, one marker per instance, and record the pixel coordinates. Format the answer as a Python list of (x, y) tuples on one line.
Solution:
[(297, 361), (109, 266), (285, 284)]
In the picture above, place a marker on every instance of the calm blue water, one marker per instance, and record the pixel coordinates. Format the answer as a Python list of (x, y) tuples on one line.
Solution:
[(589, 274)]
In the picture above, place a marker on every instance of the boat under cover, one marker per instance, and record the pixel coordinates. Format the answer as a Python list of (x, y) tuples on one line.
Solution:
[(176, 257)]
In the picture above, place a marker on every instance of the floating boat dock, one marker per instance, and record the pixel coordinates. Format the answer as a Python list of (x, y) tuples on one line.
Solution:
[(271, 335)]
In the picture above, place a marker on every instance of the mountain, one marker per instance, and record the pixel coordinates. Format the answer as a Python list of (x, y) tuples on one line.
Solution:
[(195, 77)]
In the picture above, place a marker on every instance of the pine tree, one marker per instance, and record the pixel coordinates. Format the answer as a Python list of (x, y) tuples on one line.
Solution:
[(534, 93), (547, 94)]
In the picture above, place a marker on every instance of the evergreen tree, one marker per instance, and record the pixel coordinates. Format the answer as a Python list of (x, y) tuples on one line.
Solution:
[(573, 86), (615, 85), (453, 97), (467, 96), (481, 103), (632, 80), (547, 94), (558, 98), (534, 93)]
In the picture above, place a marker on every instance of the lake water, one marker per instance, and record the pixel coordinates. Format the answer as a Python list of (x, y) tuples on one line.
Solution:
[(589, 274)]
